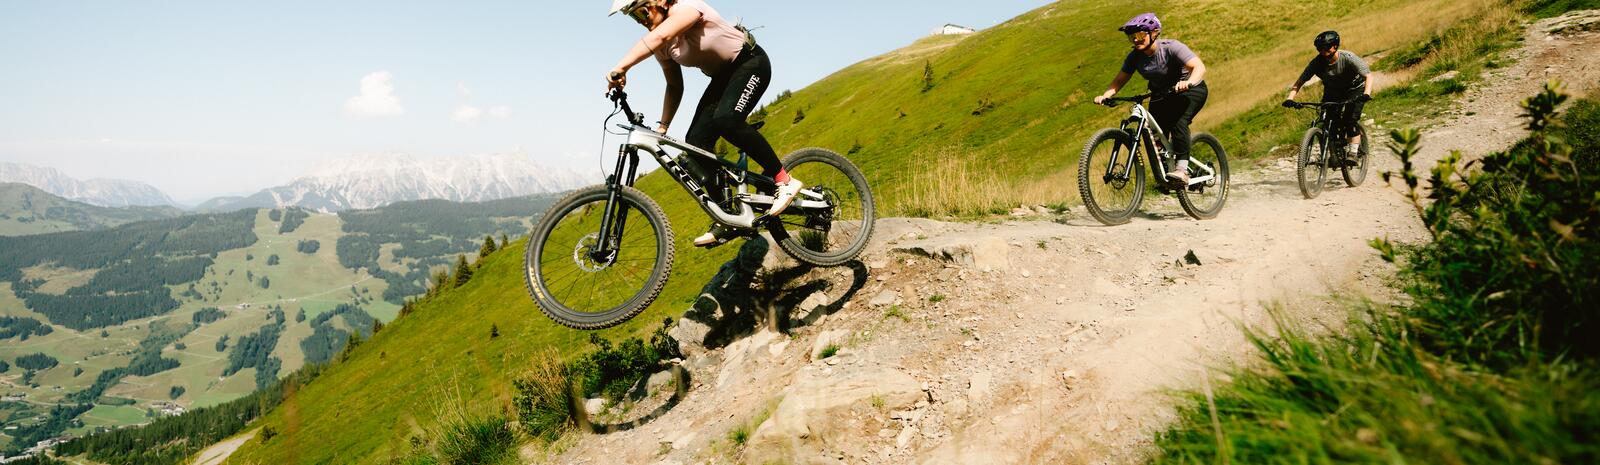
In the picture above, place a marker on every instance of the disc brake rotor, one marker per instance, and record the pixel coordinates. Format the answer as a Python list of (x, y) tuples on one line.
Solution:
[(583, 254)]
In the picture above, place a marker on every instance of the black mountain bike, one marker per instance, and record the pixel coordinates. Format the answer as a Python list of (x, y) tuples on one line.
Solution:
[(602, 254), (1112, 183), (1326, 144)]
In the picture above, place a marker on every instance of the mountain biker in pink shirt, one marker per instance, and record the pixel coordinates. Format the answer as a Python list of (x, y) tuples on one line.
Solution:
[(690, 33), (1169, 66)]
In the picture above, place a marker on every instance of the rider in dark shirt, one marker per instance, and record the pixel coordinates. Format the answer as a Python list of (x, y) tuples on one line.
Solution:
[(1344, 79)]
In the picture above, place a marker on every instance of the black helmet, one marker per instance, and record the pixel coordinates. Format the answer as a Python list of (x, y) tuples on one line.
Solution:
[(1327, 39)]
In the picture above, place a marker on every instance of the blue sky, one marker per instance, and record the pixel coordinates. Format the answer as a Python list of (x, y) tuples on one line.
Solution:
[(209, 98)]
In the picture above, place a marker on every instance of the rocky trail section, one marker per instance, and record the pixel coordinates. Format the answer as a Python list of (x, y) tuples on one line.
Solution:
[(1046, 339)]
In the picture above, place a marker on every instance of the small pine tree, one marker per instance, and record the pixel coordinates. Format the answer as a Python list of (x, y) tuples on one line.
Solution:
[(503, 241), (376, 326), (463, 271), (494, 330), (487, 249), (927, 76), (799, 115)]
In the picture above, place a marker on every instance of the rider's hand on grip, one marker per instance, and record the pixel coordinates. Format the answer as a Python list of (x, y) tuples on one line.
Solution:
[(616, 79), (1363, 98), (1291, 104)]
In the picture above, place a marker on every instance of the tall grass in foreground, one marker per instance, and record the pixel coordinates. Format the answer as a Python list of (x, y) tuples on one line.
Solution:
[(1490, 364)]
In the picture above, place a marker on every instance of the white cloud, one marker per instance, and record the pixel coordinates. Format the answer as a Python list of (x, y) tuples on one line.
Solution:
[(500, 111), (377, 97), (467, 114), (462, 90)]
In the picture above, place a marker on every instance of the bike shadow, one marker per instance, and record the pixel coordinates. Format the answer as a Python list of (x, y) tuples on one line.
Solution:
[(743, 298)]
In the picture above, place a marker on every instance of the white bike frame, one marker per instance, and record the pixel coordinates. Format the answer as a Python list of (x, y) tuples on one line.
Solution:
[(1147, 125), (642, 138)]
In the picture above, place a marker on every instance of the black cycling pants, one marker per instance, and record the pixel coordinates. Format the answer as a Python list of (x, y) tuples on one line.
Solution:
[(1174, 114), (1345, 117), (730, 98)]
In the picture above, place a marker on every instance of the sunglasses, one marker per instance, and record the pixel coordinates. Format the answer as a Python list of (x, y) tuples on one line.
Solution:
[(1138, 36), (640, 14)]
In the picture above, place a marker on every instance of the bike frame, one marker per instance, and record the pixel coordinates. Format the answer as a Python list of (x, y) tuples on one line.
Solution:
[(1145, 133), (643, 139), (1330, 129)]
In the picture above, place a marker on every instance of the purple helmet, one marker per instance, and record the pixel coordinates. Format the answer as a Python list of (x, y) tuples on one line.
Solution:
[(1146, 22)]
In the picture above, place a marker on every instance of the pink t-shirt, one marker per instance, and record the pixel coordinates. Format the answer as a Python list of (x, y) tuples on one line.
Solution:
[(709, 45)]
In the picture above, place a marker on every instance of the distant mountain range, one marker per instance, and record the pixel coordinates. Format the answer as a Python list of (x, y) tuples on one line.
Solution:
[(376, 180), (25, 209), (101, 192)]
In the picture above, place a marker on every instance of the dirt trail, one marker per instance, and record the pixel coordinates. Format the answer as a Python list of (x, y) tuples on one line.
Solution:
[(1061, 352), (219, 452)]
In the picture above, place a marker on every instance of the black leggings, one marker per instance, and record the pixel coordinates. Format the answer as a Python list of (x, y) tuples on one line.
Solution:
[(730, 98), (1346, 117), (1174, 114)]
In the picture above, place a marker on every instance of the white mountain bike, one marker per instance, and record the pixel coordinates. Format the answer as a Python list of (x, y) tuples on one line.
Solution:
[(602, 254)]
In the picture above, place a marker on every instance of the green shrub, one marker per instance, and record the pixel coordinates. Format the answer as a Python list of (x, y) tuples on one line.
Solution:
[(1509, 278), (477, 440), (544, 399)]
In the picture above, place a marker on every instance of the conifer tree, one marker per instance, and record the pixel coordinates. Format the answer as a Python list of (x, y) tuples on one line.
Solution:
[(463, 270), (487, 249)]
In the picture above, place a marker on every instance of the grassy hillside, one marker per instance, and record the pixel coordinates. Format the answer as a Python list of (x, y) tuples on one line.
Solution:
[(27, 210), (925, 152), (935, 153)]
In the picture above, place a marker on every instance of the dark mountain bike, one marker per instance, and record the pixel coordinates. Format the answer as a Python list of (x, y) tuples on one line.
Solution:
[(1326, 144), (602, 254), (1113, 185)]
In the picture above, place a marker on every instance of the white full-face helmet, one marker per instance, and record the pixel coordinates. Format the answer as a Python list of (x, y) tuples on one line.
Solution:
[(625, 6)]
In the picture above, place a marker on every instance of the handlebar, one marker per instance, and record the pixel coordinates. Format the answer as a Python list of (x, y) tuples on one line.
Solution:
[(620, 99), (1300, 105), (1112, 102)]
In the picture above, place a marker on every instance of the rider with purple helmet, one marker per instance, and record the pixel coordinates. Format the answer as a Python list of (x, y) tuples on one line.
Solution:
[(1168, 66)]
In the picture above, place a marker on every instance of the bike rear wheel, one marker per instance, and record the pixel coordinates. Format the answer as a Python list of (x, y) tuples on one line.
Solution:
[(1311, 169), (579, 288), (1204, 200), (1110, 193), (832, 218), (1355, 173)]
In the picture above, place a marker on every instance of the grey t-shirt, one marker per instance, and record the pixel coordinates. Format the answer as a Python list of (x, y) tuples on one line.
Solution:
[(1164, 69), (1344, 79)]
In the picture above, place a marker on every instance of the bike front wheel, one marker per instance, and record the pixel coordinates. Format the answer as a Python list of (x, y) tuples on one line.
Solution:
[(584, 278), (1356, 172), (1311, 168), (1208, 173), (1110, 177), (832, 218)]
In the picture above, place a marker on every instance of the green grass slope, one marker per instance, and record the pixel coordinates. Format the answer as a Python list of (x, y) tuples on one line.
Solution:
[(924, 152), (1009, 107), (25, 210)]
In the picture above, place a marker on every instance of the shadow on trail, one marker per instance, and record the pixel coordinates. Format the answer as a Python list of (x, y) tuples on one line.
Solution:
[(742, 298), (739, 300), (680, 381)]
